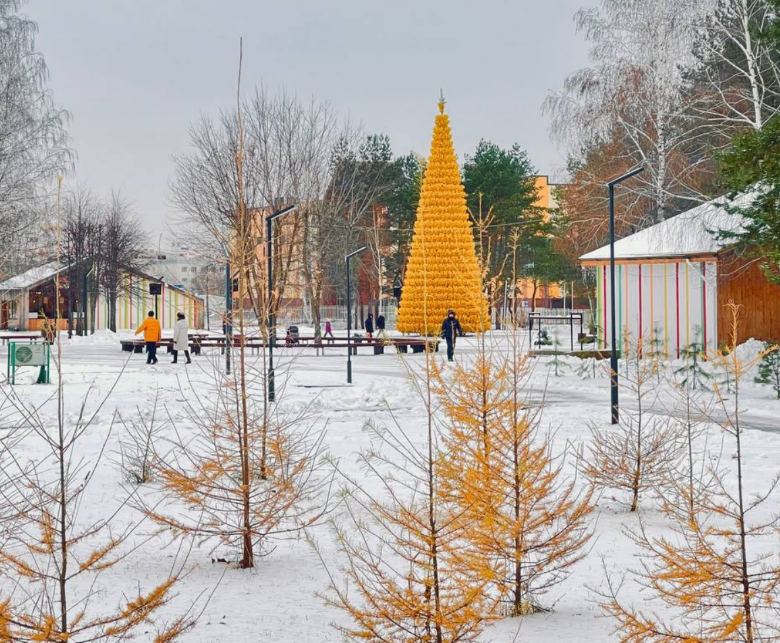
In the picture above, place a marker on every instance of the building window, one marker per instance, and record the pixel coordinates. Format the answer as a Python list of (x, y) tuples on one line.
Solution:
[(194, 269)]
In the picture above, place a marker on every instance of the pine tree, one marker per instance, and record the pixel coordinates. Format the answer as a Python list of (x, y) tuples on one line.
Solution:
[(526, 525), (591, 368), (692, 373), (715, 573), (724, 379), (769, 369), (657, 349), (557, 364), (443, 271)]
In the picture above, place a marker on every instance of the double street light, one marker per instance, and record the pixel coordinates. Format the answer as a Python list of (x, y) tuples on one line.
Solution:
[(613, 360), (271, 319), (349, 313)]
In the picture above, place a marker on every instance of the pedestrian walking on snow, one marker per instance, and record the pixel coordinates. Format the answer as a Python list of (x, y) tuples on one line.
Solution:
[(450, 330), (370, 326), (328, 329), (380, 326), (152, 334), (181, 339)]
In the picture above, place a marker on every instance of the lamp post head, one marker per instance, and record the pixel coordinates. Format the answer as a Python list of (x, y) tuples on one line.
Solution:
[(356, 252), (278, 213), (626, 176)]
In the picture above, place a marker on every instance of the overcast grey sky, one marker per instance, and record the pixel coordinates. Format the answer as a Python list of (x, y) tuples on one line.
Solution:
[(135, 74)]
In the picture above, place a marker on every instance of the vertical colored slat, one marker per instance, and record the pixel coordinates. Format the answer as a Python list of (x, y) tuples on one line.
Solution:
[(602, 295), (639, 281), (704, 304), (628, 322), (677, 306), (651, 328), (666, 314), (599, 296)]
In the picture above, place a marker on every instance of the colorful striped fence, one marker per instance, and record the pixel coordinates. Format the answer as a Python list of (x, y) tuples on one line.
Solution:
[(674, 301)]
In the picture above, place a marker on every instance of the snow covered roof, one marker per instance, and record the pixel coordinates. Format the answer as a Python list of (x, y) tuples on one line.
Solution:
[(31, 277), (47, 271), (692, 233)]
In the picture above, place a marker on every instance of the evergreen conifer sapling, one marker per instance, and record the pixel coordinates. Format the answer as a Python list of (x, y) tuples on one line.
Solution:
[(769, 369)]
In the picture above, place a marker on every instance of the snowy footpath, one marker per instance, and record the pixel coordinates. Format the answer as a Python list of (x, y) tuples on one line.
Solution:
[(278, 600)]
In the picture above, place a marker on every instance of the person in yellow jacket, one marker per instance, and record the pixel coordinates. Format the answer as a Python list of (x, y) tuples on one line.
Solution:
[(152, 334)]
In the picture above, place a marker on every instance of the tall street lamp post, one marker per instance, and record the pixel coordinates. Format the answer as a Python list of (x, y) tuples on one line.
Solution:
[(613, 360), (349, 313), (271, 316)]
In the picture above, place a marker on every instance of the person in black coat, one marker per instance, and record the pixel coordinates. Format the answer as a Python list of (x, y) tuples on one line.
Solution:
[(380, 326), (370, 325), (450, 330)]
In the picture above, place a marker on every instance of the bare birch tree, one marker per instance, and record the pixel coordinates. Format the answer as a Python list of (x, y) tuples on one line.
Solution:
[(738, 70), (80, 246), (122, 251), (637, 90), (33, 140)]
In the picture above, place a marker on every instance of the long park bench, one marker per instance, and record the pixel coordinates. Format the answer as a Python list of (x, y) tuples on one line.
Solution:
[(401, 344), (137, 345)]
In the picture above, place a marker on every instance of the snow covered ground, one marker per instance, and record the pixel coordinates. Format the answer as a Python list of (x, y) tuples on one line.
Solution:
[(277, 601)]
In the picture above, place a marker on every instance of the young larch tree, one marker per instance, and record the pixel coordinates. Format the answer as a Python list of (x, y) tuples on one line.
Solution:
[(410, 574), (715, 574), (525, 524), (245, 475), (636, 454), (53, 558), (252, 471)]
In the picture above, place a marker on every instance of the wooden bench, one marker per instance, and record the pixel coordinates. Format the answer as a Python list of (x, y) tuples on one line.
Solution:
[(401, 344), (196, 341), (10, 337)]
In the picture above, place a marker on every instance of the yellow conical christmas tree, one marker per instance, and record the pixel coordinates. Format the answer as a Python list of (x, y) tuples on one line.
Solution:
[(443, 270)]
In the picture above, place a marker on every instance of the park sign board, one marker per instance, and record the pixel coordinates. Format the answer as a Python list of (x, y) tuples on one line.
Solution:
[(35, 354)]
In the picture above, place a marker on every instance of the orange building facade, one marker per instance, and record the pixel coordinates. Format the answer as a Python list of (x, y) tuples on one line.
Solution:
[(545, 199)]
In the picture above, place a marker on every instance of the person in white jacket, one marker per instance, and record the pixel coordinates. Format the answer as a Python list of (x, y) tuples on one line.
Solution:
[(181, 340)]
